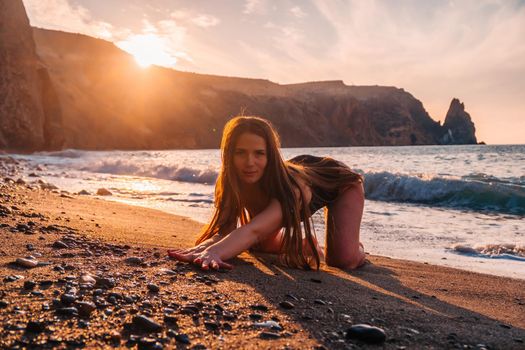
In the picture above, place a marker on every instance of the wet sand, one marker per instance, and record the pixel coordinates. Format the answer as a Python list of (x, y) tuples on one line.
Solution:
[(130, 281)]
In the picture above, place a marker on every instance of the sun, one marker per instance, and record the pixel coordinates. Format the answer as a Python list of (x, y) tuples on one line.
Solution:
[(148, 49)]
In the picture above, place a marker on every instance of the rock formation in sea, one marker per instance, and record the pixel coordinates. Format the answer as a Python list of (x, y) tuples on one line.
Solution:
[(30, 114), (458, 126), (101, 99)]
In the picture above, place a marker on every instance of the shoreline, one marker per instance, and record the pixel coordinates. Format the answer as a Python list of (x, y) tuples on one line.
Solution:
[(416, 304)]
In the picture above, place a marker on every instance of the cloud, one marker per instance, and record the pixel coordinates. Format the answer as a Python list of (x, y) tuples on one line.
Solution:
[(298, 12), (255, 7), (200, 20), (205, 21), (61, 15)]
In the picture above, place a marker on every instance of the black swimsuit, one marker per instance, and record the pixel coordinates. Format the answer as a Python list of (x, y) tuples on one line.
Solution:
[(320, 197)]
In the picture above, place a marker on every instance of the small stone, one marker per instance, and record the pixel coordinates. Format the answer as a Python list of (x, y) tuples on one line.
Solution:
[(256, 316), (3, 304), (153, 288), (286, 305), (269, 324), (145, 343), (319, 302), (269, 335), (170, 319), (29, 285), (67, 311), (67, 299), (103, 192), (87, 279), (27, 263), (211, 325), (182, 338), (259, 307), (30, 247), (134, 260), (60, 245), (84, 193), (85, 308), (35, 327), (315, 280), (104, 282), (366, 333), (115, 337), (145, 324)]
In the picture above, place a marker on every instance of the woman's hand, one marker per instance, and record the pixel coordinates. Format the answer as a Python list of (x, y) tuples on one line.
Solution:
[(208, 259), (186, 255)]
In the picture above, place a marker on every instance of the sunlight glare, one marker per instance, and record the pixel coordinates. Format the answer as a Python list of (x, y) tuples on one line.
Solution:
[(148, 49)]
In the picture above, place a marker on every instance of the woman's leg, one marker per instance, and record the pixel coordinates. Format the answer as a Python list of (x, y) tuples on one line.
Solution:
[(343, 221)]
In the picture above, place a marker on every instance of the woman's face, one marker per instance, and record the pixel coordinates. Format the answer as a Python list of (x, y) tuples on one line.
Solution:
[(250, 158)]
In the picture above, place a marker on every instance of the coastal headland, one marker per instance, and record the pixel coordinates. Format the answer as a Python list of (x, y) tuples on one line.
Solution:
[(79, 271)]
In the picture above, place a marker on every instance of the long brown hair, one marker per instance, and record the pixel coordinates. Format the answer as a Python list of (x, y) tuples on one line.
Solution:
[(279, 182)]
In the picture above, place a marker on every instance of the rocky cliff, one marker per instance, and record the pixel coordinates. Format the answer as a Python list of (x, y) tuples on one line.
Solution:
[(30, 114), (107, 101), (458, 126)]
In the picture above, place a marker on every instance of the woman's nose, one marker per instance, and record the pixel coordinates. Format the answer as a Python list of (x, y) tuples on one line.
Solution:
[(250, 160)]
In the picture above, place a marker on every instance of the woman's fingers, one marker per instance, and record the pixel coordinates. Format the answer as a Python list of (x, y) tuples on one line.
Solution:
[(181, 256), (224, 265)]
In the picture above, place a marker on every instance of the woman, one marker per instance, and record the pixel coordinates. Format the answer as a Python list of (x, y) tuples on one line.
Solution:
[(265, 203)]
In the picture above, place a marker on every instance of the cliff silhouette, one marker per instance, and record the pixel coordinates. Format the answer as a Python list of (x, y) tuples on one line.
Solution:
[(86, 93)]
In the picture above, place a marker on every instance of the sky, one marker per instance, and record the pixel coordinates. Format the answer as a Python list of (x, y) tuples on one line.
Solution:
[(473, 50)]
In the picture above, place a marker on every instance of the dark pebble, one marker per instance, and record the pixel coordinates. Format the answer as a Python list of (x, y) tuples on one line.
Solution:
[(145, 324), (286, 305), (85, 308), (67, 311), (366, 333), (212, 326), (182, 338), (153, 288), (58, 268), (145, 343), (133, 260), (3, 304), (45, 283), (170, 319), (293, 297), (35, 327), (256, 316), (319, 302), (29, 285), (259, 307), (60, 245), (67, 299), (103, 282), (315, 280), (269, 335)]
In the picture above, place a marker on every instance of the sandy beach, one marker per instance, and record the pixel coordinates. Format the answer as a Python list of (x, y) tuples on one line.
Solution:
[(102, 278)]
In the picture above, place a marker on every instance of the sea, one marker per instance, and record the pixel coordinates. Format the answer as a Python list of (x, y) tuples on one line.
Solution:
[(456, 206)]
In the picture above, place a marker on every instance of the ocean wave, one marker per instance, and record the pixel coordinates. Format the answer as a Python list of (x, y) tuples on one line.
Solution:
[(465, 193), (493, 251), (174, 173), (67, 153)]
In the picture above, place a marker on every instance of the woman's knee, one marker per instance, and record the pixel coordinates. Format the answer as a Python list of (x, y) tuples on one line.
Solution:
[(350, 260)]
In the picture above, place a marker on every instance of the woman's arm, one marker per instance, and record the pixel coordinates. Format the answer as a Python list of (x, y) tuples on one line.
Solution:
[(258, 229), (187, 255)]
